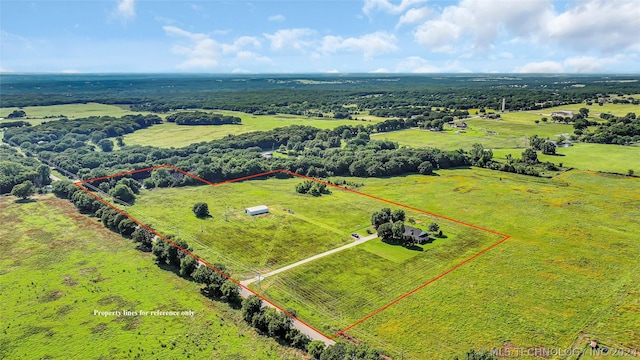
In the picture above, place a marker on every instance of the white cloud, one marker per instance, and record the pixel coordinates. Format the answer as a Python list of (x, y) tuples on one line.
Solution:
[(380, 71), (291, 39), (591, 64), (5, 70), (240, 43), (70, 71), (278, 17), (585, 26), (388, 7), (603, 25), (333, 71), (541, 67), (414, 16), (370, 44), (480, 22), (203, 52), (126, 10)]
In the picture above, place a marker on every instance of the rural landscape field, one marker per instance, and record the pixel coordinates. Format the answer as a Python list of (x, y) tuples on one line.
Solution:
[(320, 180)]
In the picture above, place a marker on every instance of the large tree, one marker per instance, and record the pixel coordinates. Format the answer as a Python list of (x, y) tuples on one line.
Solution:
[(24, 190), (123, 192), (201, 210)]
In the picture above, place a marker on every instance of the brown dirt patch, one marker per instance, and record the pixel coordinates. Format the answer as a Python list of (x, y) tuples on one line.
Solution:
[(68, 280), (52, 295)]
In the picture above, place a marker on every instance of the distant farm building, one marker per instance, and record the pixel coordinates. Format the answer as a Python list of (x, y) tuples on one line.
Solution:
[(461, 125), (562, 113), (418, 235), (257, 210)]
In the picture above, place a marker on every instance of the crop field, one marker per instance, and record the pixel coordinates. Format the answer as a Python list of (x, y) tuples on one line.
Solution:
[(586, 156), (58, 266), (172, 135)]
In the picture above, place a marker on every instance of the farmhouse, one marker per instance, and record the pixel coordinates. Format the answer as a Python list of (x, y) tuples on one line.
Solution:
[(562, 113), (257, 210), (418, 235)]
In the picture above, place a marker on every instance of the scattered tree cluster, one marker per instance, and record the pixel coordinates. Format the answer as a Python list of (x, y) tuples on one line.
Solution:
[(272, 322), (202, 118), (312, 187), (16, 169), (13, 124), (621, 130), (16, 114)]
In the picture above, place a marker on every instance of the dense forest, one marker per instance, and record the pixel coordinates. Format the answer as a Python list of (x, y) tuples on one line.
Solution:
[(305, 94)]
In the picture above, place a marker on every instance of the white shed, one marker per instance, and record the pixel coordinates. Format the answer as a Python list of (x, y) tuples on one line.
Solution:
[(256, 210)]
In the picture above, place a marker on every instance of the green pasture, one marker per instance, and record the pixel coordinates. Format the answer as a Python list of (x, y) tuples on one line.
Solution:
[(594, 110), (510, 132), (568, 273), (297, 226), (586, 156), (37, 114), (57, 267), (172, 135)]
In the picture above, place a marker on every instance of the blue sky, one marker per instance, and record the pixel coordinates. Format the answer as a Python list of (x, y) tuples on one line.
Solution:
[(301, 36)]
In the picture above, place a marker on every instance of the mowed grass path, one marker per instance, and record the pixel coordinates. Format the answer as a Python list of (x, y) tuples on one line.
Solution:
[(250, 244), (585, 156), (57, 267), (568, 274), (172, 135)]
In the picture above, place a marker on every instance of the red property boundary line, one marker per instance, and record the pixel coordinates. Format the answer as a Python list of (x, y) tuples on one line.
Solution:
[(343, 331)]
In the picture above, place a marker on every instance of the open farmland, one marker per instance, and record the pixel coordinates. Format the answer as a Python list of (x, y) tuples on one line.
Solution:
[(250, 244), (549, 265), (558, 281), (58, 266), (37, 114), (511, 132), (173, 135), (585, 156)]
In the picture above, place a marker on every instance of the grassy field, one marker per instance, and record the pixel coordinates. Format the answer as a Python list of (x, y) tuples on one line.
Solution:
[(172, 135), (57, 267), (511, 132), (559, 280), (338, 290), (36, 114), (250, 244), (584, 156)]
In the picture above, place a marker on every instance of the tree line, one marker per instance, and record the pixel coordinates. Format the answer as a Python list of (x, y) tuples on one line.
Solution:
[(202, 118)]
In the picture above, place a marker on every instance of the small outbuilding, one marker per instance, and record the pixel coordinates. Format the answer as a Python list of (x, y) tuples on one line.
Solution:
[(257, 210)]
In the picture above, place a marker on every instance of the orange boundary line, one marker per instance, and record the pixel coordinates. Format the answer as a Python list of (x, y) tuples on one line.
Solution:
[(341, 332)]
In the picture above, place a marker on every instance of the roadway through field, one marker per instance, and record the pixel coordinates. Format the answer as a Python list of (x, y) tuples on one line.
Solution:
[(312, 333)]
